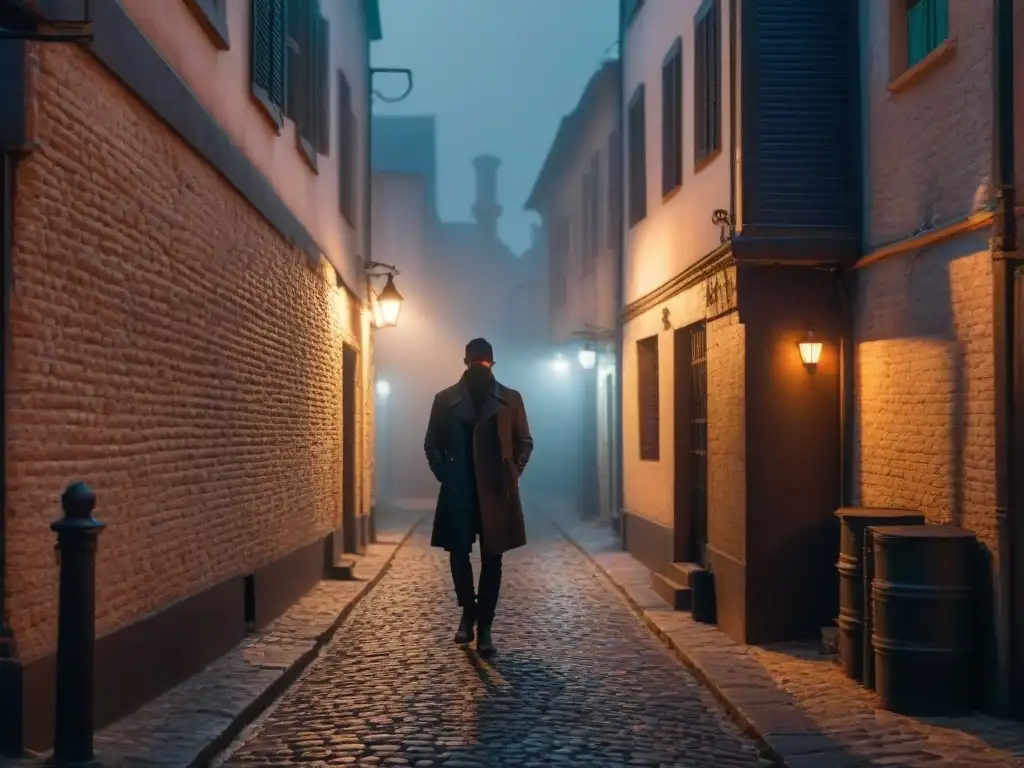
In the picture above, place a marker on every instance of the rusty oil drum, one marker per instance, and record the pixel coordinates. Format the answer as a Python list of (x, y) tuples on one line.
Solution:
[(922, 599), (850, 623)]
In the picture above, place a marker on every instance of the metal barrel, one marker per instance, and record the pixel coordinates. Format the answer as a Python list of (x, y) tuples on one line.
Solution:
[(924, 624), (850, 622)]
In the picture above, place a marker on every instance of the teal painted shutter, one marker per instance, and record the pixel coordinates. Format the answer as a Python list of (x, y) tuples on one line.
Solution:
[(262, 69), (700, 90), (323, 92), (277, 45)]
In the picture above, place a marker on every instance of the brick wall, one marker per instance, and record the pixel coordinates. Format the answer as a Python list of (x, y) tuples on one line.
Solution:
[(924, 386), (171, 349), (929, 145), (727, 488)]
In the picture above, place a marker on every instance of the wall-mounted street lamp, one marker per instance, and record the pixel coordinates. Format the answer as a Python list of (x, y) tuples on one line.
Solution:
[(587, 357), (387, 305), (810, 352)]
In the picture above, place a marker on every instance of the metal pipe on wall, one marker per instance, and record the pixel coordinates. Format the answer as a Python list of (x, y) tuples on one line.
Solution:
[(1004, 266), (620, 265), (7, 164)]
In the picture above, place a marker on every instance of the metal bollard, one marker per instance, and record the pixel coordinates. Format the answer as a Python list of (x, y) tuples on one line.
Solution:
[(76, 533)]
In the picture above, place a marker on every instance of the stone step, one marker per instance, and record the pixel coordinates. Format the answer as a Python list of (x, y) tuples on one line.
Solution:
[(677, 595), (344, 569), (682, 572)]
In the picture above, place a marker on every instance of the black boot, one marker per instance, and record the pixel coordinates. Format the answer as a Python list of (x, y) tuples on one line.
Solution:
[(464, 634), (484, 646)]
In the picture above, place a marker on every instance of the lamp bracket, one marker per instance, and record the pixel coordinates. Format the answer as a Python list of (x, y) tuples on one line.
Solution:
[(380, 269)]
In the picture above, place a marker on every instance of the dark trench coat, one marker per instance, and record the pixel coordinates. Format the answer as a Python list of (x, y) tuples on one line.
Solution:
[(501, 446)]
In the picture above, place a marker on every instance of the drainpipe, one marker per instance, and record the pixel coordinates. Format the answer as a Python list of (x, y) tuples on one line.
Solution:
[(1004, 246), (369, 445), (733, 96), (620, 288), (7, 162)]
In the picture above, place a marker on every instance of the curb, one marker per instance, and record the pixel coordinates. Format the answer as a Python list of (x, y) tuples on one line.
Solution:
[(288, 676), (746, 724)]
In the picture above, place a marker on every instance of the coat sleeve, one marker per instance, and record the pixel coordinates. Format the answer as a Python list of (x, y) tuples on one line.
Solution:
[(522, 440), (431, 444)]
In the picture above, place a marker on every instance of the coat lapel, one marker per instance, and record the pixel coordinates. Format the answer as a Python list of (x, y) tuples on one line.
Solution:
[(462, 404)]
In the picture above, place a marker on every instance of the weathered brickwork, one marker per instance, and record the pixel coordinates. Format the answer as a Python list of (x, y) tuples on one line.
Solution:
[(925, 389), (930, 145), (170, 348), (727, 488)]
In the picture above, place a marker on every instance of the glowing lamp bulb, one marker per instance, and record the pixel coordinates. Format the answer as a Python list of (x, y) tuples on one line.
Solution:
[(587, 358), (810, 350)]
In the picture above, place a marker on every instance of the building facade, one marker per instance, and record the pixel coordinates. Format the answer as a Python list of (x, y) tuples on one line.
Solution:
[(578, 196), (925, 377), (185, 222), (462, 273), (741, 205)]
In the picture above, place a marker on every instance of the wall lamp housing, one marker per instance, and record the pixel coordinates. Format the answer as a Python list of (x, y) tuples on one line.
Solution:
[(387, 304), (810, 352)]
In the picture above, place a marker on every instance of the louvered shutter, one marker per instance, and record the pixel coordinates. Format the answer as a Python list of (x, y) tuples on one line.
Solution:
[(323, 93), (262, 43), (296, 27), (595, 205), (648, 399), (277, 56)]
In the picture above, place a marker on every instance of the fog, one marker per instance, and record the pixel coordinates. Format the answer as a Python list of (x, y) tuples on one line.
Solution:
[(453, 166)]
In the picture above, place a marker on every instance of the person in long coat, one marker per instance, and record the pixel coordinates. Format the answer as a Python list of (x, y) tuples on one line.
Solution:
[(477, 445)]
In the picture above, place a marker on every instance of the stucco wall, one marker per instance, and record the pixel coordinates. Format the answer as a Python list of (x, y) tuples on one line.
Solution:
[(169, 348), (676, 232), (590, 291), (221, 82)]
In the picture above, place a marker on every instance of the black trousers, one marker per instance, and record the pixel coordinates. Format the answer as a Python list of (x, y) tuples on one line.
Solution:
[(481, 605)]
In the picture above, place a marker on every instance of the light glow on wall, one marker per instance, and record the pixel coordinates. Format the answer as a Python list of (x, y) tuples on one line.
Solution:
[(383, 389), (560, 365)]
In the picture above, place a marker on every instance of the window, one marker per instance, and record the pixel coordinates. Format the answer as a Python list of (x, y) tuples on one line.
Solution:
[(212, 16), (927, 27), (267, 58), (307, 45), (614, 215), (672, 119), (707, 83), (637, 159), (648, 400), (346, 151)]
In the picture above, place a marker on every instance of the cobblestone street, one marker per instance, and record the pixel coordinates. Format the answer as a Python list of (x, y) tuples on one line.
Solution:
[(578, 679)]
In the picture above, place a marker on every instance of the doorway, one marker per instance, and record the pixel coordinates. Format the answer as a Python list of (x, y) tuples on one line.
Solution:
[(353, 538), (611, 464), (690, 428), (1016, 554)]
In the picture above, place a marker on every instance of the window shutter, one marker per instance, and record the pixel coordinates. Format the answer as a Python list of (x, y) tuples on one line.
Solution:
[(700, 91), (715, 79), (262, 69), (595, 205), (277, 56), (648, 399), (295, 36), (323, 92), (346, 148), (614, 212)]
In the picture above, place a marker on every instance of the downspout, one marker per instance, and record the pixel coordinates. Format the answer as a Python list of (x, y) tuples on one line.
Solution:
[(733, 96), (367, 444), (1004, 246), (846, 280), (7, 163), (620, 288)]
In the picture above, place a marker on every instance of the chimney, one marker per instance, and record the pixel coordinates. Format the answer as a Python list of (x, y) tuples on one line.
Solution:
[(486, 210)]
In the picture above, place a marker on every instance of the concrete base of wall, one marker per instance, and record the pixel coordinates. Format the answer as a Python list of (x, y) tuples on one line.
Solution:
[(646, 540)]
